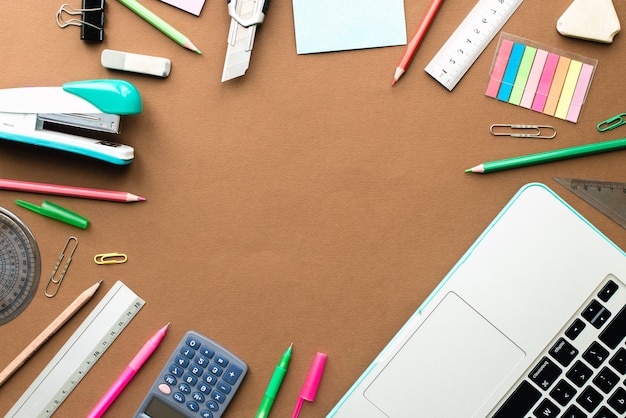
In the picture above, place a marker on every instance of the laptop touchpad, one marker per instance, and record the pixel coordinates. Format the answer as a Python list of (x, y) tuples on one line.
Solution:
[(449, 366)]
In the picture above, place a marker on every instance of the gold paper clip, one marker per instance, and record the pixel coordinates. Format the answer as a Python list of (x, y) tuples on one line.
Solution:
[(110, 258), (612, 123), (58, 281), (532, 131)]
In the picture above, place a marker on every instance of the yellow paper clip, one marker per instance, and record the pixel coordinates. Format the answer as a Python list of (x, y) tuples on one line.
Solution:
[(531, 131), (612, 123), (64, 252), (110, 258)]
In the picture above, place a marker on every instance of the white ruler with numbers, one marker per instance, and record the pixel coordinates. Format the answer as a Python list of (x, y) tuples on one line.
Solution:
[(116, 309), (469, 40)]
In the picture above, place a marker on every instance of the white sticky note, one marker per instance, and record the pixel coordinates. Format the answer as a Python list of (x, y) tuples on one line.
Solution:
[(192, 6), (331, 25)]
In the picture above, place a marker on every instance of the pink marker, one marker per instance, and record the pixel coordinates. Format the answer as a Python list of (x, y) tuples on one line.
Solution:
[(128, 373), (311, 383)]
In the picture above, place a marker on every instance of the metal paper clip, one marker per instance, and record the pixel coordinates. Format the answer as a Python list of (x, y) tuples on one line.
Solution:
[(532, 131), (110, 258), (612, 123), (58, 281)]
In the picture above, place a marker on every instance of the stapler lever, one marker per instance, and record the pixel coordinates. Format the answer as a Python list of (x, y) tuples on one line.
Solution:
[(95, 105)]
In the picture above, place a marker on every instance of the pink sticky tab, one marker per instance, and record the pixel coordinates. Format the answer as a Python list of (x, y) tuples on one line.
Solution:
[(499, 66), (309, 389)]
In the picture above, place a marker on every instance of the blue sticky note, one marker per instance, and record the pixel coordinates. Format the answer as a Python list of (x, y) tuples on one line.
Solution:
[(332, 25)]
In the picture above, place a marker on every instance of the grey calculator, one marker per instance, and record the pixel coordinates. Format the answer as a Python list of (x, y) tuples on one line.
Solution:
[(198, 381)]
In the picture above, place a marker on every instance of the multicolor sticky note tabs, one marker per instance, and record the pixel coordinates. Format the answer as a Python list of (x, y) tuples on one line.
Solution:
[(537, 77)]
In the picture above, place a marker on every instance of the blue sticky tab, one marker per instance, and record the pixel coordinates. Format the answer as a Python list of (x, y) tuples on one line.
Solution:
[(511, 72)]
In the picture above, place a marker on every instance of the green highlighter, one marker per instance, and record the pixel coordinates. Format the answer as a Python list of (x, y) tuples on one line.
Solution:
[(274, 385), (57, 212)]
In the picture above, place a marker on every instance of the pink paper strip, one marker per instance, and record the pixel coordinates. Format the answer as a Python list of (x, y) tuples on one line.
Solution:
[(580, 93), (545, 82), (497, 73), (533, 78)]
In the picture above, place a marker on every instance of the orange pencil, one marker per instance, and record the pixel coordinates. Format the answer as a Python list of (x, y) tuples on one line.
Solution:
[(416, 40)]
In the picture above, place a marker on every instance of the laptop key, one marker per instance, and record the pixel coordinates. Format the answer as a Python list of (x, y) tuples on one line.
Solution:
[(545, 373), (596, 354), (574, 412), (563, 352), (596, 314), (606, 380), (589, 399), (604, 412), (618, 361), (546, 409), (575, 329), (563, 392), (579, 373), (618, 401), (615, 332), (608, 291), (520, 402)]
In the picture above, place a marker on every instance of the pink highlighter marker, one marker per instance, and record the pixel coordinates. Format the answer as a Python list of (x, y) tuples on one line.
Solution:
[(309, 389)]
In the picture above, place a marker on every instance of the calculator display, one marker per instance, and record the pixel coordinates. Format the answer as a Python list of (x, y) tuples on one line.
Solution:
[(159, 409)]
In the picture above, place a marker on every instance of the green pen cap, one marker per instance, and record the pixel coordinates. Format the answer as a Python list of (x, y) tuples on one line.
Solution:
[(57, 212)]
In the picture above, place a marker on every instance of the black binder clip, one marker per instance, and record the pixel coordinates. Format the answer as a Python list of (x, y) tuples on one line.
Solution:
[(91, 22)]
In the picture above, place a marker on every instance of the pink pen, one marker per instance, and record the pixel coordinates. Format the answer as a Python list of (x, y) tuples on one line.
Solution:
[(130, 371), (309, 389)]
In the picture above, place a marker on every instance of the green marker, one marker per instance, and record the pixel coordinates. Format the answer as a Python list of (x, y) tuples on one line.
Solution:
[(274, 385), (548, 156)]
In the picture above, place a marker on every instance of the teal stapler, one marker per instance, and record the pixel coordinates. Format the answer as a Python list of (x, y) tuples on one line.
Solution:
[(29, 114)]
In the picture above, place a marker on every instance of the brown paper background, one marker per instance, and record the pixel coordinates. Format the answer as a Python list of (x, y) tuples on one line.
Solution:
[(306, 202)]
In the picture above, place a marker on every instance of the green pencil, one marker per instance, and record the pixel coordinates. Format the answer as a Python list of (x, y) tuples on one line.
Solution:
[(548, 156), (160, 24)]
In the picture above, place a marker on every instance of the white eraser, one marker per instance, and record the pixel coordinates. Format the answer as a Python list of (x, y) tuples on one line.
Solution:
[(593, 20), (136, 63)]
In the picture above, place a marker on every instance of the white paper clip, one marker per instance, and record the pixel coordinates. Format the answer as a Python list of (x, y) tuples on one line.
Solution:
[(110, 258), (531, 131)]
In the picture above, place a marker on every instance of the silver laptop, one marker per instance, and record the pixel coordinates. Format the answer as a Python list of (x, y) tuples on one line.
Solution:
[(529, 323)]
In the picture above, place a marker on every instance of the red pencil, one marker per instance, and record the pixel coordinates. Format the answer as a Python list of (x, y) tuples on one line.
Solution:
[(27, 186), (416, 40)]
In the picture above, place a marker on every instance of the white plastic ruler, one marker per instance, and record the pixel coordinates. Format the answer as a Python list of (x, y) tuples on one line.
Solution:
[(469, 40), (116, 309)]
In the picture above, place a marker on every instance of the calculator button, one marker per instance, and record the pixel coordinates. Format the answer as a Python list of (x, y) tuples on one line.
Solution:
[(196, 371), (193, 406), (216, 370), (218, 396), (179, 397), (232, 374), (187, 352), (206, 389), (210, 379), (165, 388), (169, 379), (213, 406), (207, 352), (181, 361), (176, 371), (221, 361), (192, 380), (201, 361), (206, 414), (193, 343), (184, 388), (224, 387), (198, 397)]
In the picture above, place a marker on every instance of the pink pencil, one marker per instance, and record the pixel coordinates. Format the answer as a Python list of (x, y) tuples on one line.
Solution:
[(27, 186)]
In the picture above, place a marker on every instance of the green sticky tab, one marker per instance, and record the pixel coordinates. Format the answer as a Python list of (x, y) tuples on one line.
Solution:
[(54, 211)]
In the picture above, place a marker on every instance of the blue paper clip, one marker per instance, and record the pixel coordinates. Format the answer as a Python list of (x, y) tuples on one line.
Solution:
[(612, 123)]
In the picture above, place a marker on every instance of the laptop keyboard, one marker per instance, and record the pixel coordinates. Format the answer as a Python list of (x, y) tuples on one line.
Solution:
[(582, 373)]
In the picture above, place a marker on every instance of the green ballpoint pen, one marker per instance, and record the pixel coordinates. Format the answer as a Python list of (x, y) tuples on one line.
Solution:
[(274, 385)]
